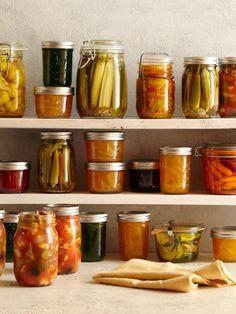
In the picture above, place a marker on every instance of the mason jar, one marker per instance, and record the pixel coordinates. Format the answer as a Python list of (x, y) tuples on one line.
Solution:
[(2, 243), (10, 223)]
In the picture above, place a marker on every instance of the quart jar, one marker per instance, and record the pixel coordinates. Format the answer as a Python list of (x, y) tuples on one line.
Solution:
[(133, 230), (2, 243), (224, 243), (10, 222), (36, 249), (69, 232), (12, 80), (104, 146), (175, 169), (57, 63), (93, 236), (155, 87), (105, 177), (200, 87), (56, 162), (53, 102), (101, 80)]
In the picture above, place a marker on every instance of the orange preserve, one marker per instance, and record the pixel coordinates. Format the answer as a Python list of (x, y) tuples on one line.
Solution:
[(155, 87), (2, 243), (133, 229), (36, 249), (175, 169), (224, 243)]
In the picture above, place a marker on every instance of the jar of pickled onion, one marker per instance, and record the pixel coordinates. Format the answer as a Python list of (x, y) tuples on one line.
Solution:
[(2, 243), (224, 243)]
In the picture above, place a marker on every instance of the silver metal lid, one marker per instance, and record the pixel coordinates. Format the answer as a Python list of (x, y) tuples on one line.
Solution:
[(88, 217), (11, 217), (144, 164), (58, 44), (168, 150), (106, 166), (228, 232), (103, 45), (155, 58), (53, 90), (201, 60), (62, 209), (12, 46), (56, 135), (14, 165), (101, 136), (133, 216), (2, 213), (227, 60)]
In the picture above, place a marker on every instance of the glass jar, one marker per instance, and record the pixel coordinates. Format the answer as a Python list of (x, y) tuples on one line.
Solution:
[(36, 249), (101, 80), (104, 146), (12, 80), (106, 177), (155, 87), (14, 176), (2, 243), (57, 63), (144, 175), (177, 243), (227, 99), (56, 162), (10, 222), (93, 236), (224, 243), (53, 102), (200, 87), (133, 230), (175, 169)]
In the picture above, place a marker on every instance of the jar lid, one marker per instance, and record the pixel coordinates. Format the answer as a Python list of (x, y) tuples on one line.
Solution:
[(88, 217), (53, 90), (155, 58), (216, 145), (227, 60), (11, 46), (144, 164), (11, 217), (106, 166), (168, 150), (171, 227), (100, 135), (103, 45), (133, 216), (58, 44), (14, 165), (201, 60), (2, 213), (37, 217), (228, 232), (56, 135), (62, 209)]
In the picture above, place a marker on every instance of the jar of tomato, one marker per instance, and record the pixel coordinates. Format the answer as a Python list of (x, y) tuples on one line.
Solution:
[(224, 243), (2, 243), (36, 249), (133, 229), (155, 87), (69, 232)]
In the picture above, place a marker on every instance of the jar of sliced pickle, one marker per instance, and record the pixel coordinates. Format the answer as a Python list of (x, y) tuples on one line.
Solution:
[(36, 249), (2, 243), (155, 89), (224, 243), (12, 80), (56, 162), (200, 87), (10, 222), (101, 80)]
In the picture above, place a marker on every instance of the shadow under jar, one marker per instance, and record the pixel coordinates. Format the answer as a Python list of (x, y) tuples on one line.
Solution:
[(10, 222), (2, 243)]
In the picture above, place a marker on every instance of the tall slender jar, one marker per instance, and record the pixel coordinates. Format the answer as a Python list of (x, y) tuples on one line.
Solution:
[(10, 222), (2, 243), (101, 80)]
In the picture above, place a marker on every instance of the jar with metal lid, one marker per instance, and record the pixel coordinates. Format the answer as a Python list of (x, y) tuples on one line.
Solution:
[(14, 176), (200, 87), (144, 175), (227, 89), (177, 243), (2, 243), (224, 243), (101, 80), (56, 162), (10, 223), (36, 249), (12, 80), (57, 63), (175, 169), (93, 236), (53, 102), (105, 177), (104, 146), (155, 87), (133, 230), (69, 232)]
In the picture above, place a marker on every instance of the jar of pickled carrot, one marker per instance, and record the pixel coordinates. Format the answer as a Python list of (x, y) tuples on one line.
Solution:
[(36, 249), (224, 243), (69, 232), (175, 169), (2, 243), (155, 88), (133, 229)]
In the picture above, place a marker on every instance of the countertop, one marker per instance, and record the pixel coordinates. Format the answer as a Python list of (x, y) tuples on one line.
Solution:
[(76, 293)]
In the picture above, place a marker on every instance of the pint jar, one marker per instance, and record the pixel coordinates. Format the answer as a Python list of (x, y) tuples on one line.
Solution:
[(224, 243), (10, 222), (155, 88), (2, 243), (200, 87), (101, 80)]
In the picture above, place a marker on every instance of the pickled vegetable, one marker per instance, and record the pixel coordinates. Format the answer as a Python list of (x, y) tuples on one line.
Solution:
[(105, 181), (228, 90), (2, 247), (10, 232)]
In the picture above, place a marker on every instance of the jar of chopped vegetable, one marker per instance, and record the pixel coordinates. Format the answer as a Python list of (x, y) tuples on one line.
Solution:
[(10, 222), (2, 243)]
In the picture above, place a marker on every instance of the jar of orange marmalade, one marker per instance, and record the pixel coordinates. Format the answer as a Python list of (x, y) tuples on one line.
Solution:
[(224, 243)]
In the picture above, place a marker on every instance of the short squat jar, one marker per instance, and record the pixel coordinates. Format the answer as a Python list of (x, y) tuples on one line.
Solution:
[(133, 230), (10, 222), (56, 162), (224, 243), (2, 243), (93, 236)]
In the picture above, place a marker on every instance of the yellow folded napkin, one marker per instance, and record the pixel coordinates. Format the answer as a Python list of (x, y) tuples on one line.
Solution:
[(138, 273)]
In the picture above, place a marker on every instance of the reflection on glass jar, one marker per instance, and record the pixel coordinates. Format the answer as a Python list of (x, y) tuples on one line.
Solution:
[(2, 243), (10, 222)]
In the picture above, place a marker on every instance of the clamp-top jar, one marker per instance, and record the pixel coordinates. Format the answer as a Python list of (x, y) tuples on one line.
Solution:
[(101, 80)]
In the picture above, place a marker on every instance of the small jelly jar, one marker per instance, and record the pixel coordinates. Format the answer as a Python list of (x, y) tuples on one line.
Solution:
[(2, 243), (224, 243), (10, 222), (93, 236), (133, 229)]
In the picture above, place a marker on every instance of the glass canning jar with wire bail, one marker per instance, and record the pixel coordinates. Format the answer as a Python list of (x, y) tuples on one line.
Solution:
[(101, 80)]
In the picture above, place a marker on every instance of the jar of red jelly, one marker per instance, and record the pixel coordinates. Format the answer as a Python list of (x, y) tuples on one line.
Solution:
[(2, 243)]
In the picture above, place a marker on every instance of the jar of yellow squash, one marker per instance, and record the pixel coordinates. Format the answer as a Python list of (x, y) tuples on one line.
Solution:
[(12, 80)]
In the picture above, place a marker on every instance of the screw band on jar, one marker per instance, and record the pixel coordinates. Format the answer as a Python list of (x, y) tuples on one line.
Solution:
[(62, 209)]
